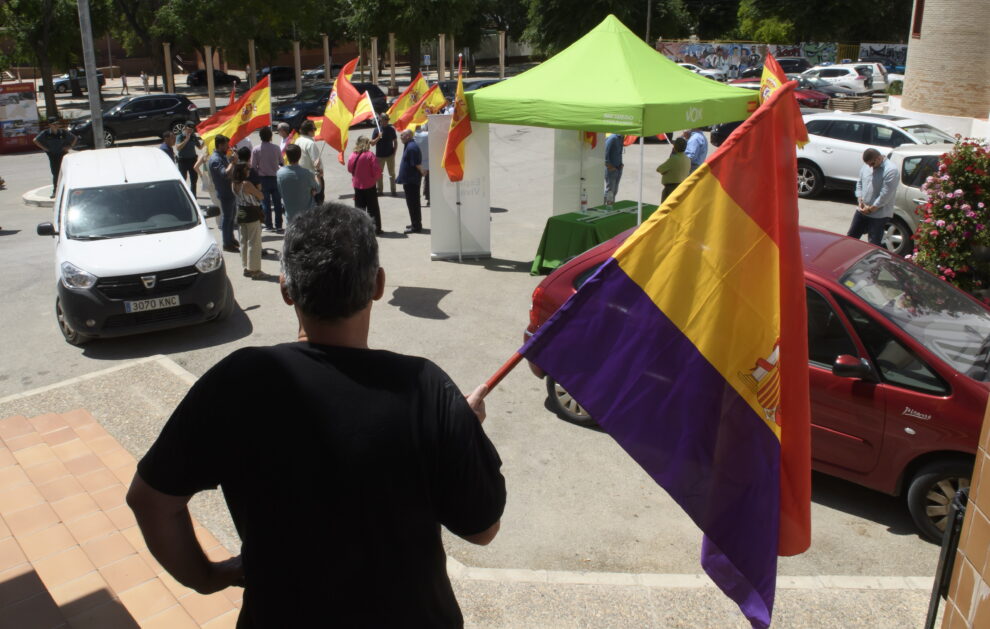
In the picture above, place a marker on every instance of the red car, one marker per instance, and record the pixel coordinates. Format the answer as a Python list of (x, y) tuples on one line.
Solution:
[(898, 369), (805, 97)]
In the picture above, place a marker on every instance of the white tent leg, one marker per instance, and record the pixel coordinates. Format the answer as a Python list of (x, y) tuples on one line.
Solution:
[(642, 175)]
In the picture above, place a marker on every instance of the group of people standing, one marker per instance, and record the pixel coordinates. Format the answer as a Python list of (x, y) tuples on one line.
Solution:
[(688, 152)]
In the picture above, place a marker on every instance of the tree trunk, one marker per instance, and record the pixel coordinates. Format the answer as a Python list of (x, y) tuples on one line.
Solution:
[(45, 66), (414, 56)]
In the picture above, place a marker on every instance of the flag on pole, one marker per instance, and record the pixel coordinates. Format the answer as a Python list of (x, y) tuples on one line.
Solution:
[(408, 98), (590, 137), (249, 113), (415, 117), (689, 347), (773, 77), (346, 107), (460, 129)]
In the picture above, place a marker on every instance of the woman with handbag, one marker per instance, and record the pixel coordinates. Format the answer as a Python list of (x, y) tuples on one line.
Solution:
[(249, 217), (365, 171)]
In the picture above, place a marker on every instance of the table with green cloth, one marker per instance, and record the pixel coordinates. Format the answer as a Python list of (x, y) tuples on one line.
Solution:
[(567, 235)]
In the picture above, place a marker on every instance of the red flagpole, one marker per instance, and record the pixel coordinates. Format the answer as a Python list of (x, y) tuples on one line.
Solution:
[(503, 371)]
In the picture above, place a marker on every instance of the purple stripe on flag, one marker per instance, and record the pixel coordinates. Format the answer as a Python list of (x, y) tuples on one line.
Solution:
[(674, 413)]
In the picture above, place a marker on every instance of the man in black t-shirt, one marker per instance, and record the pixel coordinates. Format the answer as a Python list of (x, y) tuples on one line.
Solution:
[(385, 145), (339, 485)]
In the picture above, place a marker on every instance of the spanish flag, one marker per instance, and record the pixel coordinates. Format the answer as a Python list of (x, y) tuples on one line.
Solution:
[(460, 129), (590, 137), (415, 117), (346, 107), (408, 98), (723, 427), (773, 77), (250, 112)]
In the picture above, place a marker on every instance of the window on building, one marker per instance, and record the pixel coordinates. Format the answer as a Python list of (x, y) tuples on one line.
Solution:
[(919, 11)]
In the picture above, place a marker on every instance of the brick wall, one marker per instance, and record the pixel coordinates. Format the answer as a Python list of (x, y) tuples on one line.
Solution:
[(947, 70), (968, 605)]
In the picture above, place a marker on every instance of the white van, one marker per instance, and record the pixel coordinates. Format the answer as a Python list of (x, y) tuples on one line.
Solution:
[(132, 249)]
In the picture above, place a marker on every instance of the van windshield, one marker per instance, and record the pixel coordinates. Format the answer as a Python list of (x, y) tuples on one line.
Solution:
[(125, 210)]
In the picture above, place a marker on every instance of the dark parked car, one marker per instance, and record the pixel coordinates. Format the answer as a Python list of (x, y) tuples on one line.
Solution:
[(278, 74), (898, 367), (197, 78), (63, 83), (312, 101), (790, 65), (139, 117), (449, 88), (722, 131)]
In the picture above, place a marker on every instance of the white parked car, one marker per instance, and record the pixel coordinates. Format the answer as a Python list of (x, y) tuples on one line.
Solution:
[(915, 163), (711, 73), (841, 76), (132, 249), (834, 154)]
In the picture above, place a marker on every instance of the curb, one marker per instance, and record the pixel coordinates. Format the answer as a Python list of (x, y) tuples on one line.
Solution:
[(38, 197)]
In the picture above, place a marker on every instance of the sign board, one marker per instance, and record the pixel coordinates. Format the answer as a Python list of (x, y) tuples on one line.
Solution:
[(18, 117), (426, 60), (462, 231), (578, 170)]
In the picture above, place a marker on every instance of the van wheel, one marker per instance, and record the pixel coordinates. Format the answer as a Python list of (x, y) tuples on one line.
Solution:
[(810, 180), (931, 491), (566, 407), (228, 306), (897, 237), (71, 336)]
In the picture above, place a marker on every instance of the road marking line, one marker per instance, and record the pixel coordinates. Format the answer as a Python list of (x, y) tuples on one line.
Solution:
[(457, 570), (82, 378)]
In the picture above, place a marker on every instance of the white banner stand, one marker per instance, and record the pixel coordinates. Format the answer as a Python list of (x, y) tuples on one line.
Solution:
[(575, 166), (460, 231)]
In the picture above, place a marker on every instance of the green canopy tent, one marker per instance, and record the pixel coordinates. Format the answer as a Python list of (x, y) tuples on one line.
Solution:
[(611, 81)]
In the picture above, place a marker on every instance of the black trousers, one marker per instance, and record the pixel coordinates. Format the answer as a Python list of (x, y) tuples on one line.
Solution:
[(55, 163), (320, 195), (872, 227), (413, 203), (186, 168), (367, 199), (668, 189)]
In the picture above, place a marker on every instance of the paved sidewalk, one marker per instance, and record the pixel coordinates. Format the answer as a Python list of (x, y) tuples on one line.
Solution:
[(71, 554)]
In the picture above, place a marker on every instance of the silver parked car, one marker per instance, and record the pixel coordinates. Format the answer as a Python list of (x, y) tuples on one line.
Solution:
[(915, 164)]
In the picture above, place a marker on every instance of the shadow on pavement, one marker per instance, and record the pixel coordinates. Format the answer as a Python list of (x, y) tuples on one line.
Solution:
[(841, 495), (497, 210), (498, 264), (9, 232), (173, 341), (419, 302)]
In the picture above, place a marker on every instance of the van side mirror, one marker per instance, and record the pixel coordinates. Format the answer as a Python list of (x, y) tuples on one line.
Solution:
[(846, 366), (46, 229), (212, 211)]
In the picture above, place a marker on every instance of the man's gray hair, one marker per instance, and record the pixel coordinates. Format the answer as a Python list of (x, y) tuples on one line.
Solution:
[(330, 261)]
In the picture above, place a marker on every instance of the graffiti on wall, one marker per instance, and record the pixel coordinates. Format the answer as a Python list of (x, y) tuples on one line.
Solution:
[(815, 52), (735, 57), (729, 57), (894, 55)]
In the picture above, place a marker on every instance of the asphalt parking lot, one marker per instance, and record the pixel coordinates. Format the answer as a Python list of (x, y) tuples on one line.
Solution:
[(576, 501)]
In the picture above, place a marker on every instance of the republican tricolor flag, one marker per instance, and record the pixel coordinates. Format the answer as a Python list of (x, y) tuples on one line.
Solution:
[(460, 129), (689, 347)]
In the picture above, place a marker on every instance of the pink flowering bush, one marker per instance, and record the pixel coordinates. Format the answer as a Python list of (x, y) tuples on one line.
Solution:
[(956, 218)]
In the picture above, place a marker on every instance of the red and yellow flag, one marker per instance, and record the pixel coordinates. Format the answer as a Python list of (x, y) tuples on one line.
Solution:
[(590, 137), (460, 129), (416, 116), (408, 98), (291, 139), (249, 113), (773, 77), (346, 107)]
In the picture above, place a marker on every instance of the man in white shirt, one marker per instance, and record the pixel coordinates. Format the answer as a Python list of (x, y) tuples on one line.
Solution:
[(310, 159)]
